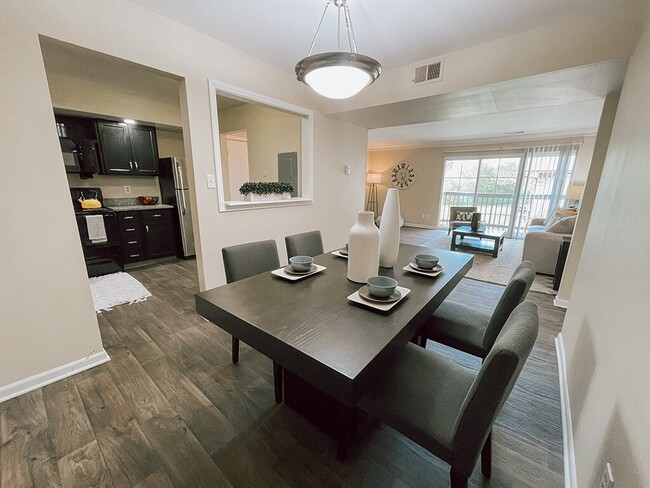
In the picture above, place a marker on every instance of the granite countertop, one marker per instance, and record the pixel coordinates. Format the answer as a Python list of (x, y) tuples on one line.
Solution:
[(130, 204), (129, 208)]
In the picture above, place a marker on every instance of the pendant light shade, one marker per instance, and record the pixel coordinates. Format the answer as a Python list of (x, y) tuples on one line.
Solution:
[(338, 74)]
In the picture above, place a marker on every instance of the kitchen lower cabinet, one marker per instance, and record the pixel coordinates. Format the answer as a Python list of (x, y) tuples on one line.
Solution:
[(147, 234)]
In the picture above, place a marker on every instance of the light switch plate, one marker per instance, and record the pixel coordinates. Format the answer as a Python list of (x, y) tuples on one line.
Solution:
[(211, 181)]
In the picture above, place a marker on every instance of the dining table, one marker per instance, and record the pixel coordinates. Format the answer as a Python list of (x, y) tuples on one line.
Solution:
[(327, 350)]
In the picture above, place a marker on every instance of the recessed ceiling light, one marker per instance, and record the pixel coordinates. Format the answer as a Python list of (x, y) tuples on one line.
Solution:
[(129, 121)]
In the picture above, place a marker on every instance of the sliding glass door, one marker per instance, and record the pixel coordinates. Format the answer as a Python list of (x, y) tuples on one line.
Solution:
[(489, 183), (509, 190)]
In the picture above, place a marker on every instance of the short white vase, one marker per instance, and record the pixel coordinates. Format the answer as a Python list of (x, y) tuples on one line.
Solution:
[(363, 248), (389, 230)]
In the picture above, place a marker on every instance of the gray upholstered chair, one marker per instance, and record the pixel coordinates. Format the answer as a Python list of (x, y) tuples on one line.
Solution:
[(453, 217), (246, 260), (305, 244), (446, 408), (461, 326)]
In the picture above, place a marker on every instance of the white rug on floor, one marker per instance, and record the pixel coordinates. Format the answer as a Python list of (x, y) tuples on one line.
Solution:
[(115, 289)]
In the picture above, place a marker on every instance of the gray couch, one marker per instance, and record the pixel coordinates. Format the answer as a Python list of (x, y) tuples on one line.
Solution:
[(542, 247)]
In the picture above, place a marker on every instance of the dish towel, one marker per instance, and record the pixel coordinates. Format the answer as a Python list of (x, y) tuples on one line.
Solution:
[(96, 229)]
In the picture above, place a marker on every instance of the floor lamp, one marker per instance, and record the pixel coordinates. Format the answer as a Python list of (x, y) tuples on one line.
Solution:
[(371, 204)]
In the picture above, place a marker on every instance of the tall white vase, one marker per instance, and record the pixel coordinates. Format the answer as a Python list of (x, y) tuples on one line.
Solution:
[(389, 230), (363, 248)]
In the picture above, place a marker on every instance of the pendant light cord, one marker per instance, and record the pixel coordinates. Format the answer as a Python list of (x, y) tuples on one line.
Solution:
[(340, 4)]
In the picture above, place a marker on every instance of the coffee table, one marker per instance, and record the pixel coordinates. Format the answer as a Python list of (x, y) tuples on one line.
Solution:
[(483, 241)]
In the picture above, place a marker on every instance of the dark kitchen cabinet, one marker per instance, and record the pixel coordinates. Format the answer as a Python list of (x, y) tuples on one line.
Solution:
[(127, 149), (159, 233), (147, 234)]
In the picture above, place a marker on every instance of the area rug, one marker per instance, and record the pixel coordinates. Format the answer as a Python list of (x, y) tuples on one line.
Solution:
[(116, 289), (485, 267)]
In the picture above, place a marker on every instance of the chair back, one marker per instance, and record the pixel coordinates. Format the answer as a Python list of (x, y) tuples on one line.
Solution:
[(453, 212), (492, 386), (305, 244), (513, 295), (245, 260)]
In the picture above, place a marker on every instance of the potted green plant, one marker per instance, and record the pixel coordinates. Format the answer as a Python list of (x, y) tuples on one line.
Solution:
[(263, 191)]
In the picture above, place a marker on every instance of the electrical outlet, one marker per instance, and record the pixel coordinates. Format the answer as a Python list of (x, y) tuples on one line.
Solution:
[(348, 169), (127, 189), (607, 479), (425, 216)]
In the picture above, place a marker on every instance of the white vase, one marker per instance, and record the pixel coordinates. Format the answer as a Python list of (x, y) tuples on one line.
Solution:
[(389, 230), (363, 248)]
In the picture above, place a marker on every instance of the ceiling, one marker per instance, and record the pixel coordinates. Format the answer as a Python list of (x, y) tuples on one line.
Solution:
[(397, 33), (565, 102)]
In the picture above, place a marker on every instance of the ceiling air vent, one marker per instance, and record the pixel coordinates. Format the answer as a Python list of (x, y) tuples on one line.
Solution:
[(428, 73)]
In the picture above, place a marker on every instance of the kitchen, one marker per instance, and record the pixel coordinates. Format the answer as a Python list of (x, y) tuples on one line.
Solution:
[(122, 144)]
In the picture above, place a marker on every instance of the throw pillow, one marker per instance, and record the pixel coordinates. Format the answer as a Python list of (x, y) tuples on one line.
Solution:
[(464, 216), (563, 226), (557, 214)]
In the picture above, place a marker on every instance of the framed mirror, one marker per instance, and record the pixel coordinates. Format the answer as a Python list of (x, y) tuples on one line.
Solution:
[(263, 150)]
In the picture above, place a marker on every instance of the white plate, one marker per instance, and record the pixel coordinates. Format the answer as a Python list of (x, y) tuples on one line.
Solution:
[(337, 253), (410, 269), (281, 273), (384, 307)]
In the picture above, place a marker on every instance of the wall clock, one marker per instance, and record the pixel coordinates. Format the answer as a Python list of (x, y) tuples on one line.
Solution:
[(402, 176)]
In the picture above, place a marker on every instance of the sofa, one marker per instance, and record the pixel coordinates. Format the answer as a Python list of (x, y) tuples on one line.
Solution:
[(543, 241)]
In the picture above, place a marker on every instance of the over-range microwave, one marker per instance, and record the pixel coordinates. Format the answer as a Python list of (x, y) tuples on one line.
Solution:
[(70, 152)]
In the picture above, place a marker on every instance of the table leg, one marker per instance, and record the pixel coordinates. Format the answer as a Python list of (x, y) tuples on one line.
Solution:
[(277, 382), (495, 252), (344, 431), (453, 241)]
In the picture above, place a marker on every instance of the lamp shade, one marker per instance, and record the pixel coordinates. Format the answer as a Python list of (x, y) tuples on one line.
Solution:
[(373, 178), (574, 192)]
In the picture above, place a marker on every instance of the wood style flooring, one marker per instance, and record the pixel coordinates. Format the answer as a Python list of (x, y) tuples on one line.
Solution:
[(170, 410)]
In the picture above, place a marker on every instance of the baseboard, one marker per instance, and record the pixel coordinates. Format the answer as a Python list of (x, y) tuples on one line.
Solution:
[(570, 478), (422, 226), (26, 385), (561, 302)]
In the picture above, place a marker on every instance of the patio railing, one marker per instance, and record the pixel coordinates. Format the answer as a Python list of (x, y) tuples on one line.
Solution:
[(496, 208)]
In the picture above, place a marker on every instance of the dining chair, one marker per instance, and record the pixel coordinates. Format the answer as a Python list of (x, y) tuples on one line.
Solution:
[(305, 244), (245, 260), (461, 326), (448, 409)]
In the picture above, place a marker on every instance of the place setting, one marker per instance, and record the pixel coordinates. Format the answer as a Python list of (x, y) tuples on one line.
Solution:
[(426, 265), (299, 267), (341, 253), (379, 292)]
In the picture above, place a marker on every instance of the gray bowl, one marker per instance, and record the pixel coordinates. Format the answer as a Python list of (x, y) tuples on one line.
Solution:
[(301, 264), (381, 286), (426, 261)]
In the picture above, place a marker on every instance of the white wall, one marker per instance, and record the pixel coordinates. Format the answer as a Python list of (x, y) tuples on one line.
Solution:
[(607, 327), (47, 316)]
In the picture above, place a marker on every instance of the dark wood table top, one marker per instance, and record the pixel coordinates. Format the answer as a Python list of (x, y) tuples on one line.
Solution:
[(310, 328)]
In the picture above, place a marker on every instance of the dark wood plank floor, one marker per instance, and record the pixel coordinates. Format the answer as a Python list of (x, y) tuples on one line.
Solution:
[(170, 409)]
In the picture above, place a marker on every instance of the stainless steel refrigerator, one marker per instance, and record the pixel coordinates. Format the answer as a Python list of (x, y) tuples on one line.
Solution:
[(174, 191)]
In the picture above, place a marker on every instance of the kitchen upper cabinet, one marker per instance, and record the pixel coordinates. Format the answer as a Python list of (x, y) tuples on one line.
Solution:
[(115, 148), (127, 149), (144, 149)]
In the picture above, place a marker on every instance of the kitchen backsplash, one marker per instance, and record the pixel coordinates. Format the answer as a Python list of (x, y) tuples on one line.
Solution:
[(113, 186)]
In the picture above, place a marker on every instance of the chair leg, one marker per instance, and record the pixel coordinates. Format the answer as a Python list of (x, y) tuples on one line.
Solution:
[(235, 349), (277, 382), (458, 480), (486, 457)]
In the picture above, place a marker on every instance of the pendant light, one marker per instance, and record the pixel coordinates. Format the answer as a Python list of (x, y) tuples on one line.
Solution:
[(340, 74)]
